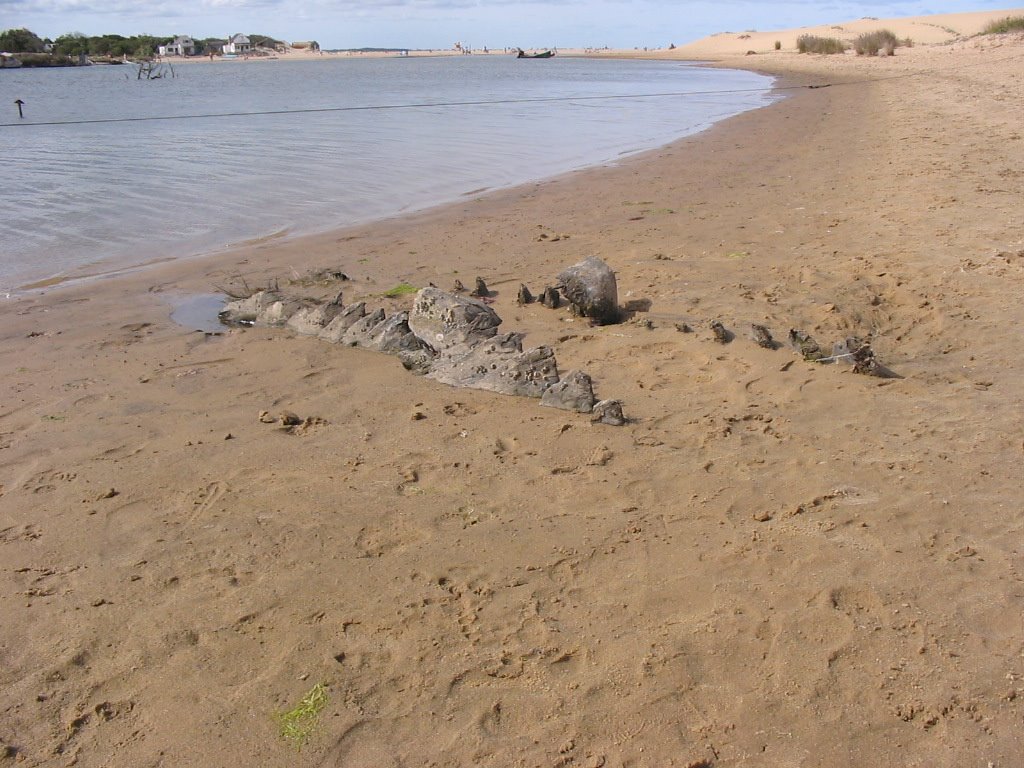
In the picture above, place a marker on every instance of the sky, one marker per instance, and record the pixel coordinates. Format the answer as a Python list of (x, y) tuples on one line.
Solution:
[(440, 23)]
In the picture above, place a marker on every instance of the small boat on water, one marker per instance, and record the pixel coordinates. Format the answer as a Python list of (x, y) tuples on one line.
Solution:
[(521, 54)]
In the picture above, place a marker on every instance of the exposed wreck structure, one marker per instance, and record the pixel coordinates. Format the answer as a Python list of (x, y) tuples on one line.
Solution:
[(592, 291), (447, 337), (453, 336)]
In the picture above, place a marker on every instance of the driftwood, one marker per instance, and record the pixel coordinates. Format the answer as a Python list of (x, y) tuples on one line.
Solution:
[(151, 70)]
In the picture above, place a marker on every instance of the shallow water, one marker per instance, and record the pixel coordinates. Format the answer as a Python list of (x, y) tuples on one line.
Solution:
[(200, 312), (98, 196)]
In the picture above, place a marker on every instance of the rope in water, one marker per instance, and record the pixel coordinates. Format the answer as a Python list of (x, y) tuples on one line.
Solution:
[(475, 103), (372, 107)]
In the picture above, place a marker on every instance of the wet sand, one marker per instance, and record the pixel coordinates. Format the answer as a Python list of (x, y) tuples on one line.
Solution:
[(774, 563)]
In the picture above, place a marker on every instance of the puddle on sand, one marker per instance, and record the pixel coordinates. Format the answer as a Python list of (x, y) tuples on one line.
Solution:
[(199, 312)]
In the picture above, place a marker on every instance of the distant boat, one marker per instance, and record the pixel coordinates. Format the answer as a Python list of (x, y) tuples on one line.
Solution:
[(524, 55)]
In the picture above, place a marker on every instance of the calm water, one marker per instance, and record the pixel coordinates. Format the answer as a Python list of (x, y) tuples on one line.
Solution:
[(77, 198)]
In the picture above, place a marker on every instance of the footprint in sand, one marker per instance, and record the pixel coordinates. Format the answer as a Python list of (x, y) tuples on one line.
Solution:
[(20, 533), (860, 605), (47, 481), (459, 409), (206, 497), (372, 541), (129, 334)]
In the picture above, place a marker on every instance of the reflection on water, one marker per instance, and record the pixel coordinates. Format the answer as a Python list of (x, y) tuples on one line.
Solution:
[(199, 312)]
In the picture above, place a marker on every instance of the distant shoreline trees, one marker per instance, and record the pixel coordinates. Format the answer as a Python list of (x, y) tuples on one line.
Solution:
[(21, 41), (115, 46), (75, 44)]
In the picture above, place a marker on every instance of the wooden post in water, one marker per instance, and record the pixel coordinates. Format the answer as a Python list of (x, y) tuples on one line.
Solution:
[(20, 103)]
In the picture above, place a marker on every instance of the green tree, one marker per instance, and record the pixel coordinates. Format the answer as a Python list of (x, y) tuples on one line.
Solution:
[(20, 41), (142, 46), (71, 44)]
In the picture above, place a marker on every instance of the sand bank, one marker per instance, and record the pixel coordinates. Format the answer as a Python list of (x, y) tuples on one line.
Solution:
[(939, 29), (775, 563), (297, 54)]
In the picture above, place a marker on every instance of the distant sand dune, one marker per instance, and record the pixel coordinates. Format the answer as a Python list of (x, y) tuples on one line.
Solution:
[(922, 30)]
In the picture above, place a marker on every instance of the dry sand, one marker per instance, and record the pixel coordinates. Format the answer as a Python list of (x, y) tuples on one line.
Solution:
[(939, 29), (775, 563)]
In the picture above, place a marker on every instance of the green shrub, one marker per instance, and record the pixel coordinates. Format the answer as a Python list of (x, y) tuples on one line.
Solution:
[(1002, 26), (44, 60), (870, 43), (815, 44)]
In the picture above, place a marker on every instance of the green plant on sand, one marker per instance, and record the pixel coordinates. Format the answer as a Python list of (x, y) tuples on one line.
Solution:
[(1002, 26), (815, 44), (298, 723), (402, 289)]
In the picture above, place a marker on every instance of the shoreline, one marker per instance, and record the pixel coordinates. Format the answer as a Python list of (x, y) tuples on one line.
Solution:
[(773, 561)]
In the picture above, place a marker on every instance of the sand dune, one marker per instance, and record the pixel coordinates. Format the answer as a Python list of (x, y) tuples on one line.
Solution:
[(938, 29)]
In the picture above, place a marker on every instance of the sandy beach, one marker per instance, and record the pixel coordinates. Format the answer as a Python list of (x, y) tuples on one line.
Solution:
[(774, 563)]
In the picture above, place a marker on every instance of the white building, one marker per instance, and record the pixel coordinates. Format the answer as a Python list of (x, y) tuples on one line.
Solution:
[(183, 45), (238, 44)]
